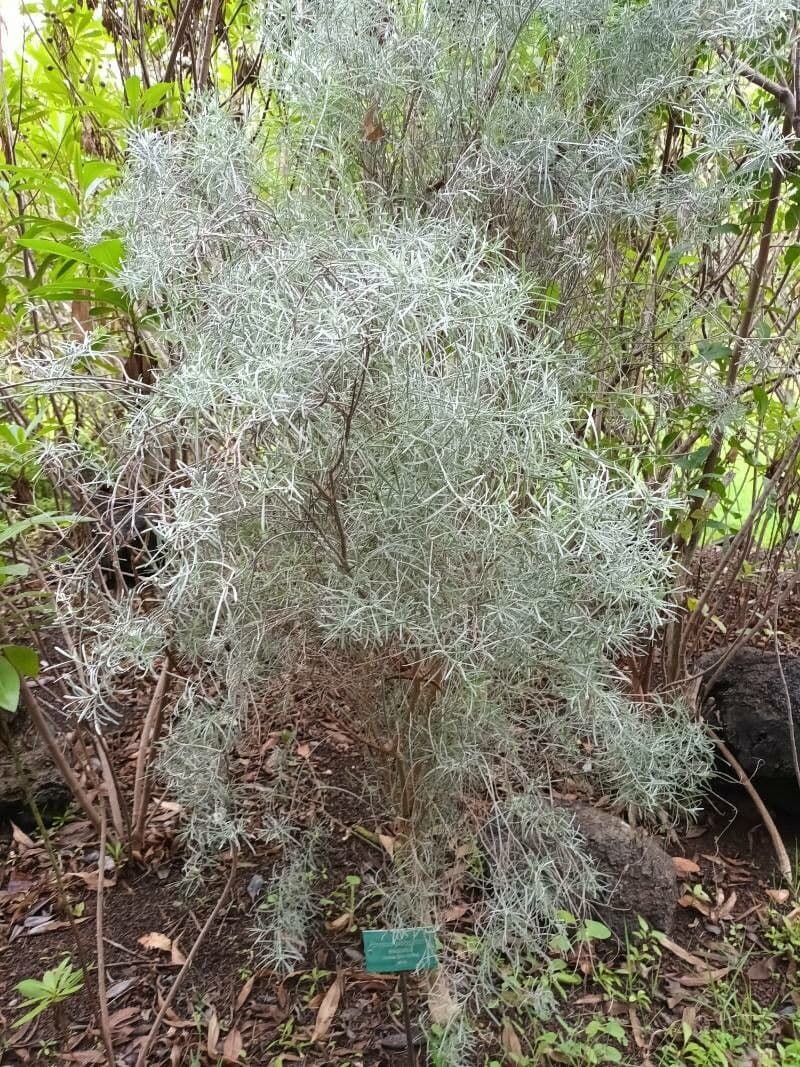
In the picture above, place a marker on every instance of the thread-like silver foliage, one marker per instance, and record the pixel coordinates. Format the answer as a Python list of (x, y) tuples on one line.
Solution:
[(363, 430)]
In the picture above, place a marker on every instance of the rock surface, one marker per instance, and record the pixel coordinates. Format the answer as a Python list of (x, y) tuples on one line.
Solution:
[(750, 707), (51, 795), (639, 874)]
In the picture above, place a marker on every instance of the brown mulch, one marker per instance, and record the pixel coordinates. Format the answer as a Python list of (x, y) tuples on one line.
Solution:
[(229, 1011)]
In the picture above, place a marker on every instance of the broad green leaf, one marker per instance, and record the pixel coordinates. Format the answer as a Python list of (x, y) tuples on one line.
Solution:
[(153, 96), (607, 1054), (108, 253), (594, 931), (14, 570), (8, 533), (712, 350), (9, 686), (23, 659), (133, 89), (31, 989), (79, 288), (55, 248), (615, 1030), (694, 460)]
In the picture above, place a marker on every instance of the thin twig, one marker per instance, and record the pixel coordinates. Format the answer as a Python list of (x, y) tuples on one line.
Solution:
[(39, 720), (105, 1022), (205, 61), (151, 729), (784, 864), (141, 1059)]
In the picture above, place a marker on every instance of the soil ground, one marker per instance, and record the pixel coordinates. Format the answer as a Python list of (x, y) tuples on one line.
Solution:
[(229, 1010)]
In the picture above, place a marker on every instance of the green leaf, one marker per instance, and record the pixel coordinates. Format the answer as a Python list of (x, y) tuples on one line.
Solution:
[(615, 1030), (694, 460), (108, 253), (594, 931), (78, 288), (32, 1014), (23, 659), (607, 1054), (31, 989), (712, 350), (23, 525), (152, 97), (54, 248), (133, 89), (726, 227), (14, 570), (9, 686)]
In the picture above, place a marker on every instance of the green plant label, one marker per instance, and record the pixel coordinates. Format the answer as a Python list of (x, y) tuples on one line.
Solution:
[(388, 951)]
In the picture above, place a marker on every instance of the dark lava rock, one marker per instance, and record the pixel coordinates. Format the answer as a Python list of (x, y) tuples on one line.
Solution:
[(50, 793), (750, 707), (639, 874)]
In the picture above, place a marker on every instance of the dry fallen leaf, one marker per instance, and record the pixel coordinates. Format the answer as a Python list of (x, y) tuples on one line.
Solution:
[(328, 1009), (344, 922), (682, 954), (760, 971), (636, 1029), (116, 989), (124, 1015), (156, 941), (372, 126), (779, 896), (388, 843), (21, 838), (213, 1034), (509, 1040), (441, 1003), (232, 1047), (455, 912), (176, 955), (694, 981), (245, 991), (304, 750), (725, 910), (684, 867), (688, 901), (91, 880)]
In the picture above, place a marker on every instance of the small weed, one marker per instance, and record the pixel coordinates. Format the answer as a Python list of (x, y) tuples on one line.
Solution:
[(116, 851), (314, 980), (743, 1031), (782, 934), (50, 991)]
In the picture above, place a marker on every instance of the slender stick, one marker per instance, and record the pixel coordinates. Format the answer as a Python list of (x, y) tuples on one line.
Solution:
[(105, 1023), (150, 732), (205, 61), (141, 1059), (116, 802), (784, 864)]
